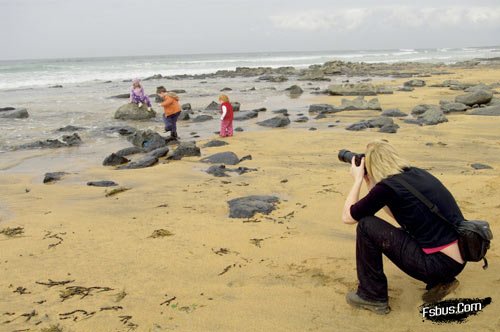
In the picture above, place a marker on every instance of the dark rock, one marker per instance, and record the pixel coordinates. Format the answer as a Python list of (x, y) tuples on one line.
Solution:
[(406, 89), (313, 129), (215, 143), (245, 115), (2, 109), (158, 153), (247, 157), (380, 122), (320, 116), (66, 141), (202, 118), (14, 113), (277, 121), (226, 89), (57, 86), (53, 177), (236, 106), (361, 125), (415, 83), (294, 90), (70, 128), (421, 109), (186, 149), (217, 170), (247, 207), (177, 91), (121, 96), (481, 166), (301, 119), (273, 79), (258, 110), (228, 158), (147, 161), (281, 111), (477, 97), (186, 107), (395, 112), (154, 77), (132, 111), (114, 160), (478, 87), (413, 121), (128, 151), (431, 117), (239, 129), (323, 108), (454, 107), (488, 111), (213, 106), (148, 140), (390, 129), (122, 130), (103, 183), (184, 116)]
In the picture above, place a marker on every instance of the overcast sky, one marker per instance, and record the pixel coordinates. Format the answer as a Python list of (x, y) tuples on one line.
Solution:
[(83, 28)]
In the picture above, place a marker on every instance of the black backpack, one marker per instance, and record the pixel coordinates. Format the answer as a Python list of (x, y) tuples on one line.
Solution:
[(474, 236)]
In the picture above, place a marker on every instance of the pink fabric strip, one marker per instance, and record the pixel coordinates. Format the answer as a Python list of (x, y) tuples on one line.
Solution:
[(436, 249)]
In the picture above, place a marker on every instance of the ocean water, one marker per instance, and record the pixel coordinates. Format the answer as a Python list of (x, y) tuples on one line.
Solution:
[(39, 73)]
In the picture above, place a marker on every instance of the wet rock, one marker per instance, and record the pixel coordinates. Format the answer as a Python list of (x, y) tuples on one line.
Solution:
[(239, 129), (158, 153), (186, 149), (221, 170), (294, 90), (359, 103), (57, 86), (415, 83), (114, 160), (247, 207), (186, 107), (203, 118), (301, 119), (129, 151), (148, 140), (184, 116), (177, 91), (283, 111), (477, 97), (228, 158), (258, 110), (121, 96), (481, 166), (454, 107), (147, 161), (247, 157), (213, 106), (487, 111), (53, 177), (132, 111), (421, 109), (236, 106), (394, 112), (122, 130), (66, 141), (226, 89), (13, 113), (313, 129), (215, 143), (104, 183), (70, 128), (389, 129), (361, 125), (276, 122), (245, 115)]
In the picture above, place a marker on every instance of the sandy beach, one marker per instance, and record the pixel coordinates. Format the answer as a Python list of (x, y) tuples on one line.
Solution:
[(165, 256)]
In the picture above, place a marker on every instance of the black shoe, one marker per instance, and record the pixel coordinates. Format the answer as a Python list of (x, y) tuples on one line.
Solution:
[(439, 291), (378, 307)]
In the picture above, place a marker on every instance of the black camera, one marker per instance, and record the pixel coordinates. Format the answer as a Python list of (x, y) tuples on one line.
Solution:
[(346, 156)]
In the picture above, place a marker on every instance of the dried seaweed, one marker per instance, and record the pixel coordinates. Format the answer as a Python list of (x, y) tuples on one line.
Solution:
[(71, 291), (12, 232), (52, 283), (116, 191), (161, 233)]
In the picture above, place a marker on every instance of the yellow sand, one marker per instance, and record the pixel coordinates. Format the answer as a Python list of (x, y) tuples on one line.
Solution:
[(288, 271)]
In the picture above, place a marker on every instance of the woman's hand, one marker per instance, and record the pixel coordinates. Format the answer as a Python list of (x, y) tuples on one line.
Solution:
[(358, 172)]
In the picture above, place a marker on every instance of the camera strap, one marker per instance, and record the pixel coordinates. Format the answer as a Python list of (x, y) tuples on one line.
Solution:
[(433, 207)]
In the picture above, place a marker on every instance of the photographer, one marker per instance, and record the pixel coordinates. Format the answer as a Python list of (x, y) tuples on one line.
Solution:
[(425, 247)]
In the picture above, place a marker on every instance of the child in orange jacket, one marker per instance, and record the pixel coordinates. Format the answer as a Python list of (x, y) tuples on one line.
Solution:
[(171, 110)]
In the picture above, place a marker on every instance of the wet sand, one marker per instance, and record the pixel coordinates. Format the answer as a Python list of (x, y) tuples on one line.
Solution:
[(287, 271)]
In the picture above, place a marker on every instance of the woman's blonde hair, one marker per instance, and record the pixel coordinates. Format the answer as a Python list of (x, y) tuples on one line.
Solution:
[(224, 98), (382, 161)]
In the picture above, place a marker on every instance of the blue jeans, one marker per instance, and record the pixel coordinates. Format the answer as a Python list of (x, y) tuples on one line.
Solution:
[(171, 123), (374, 237)]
